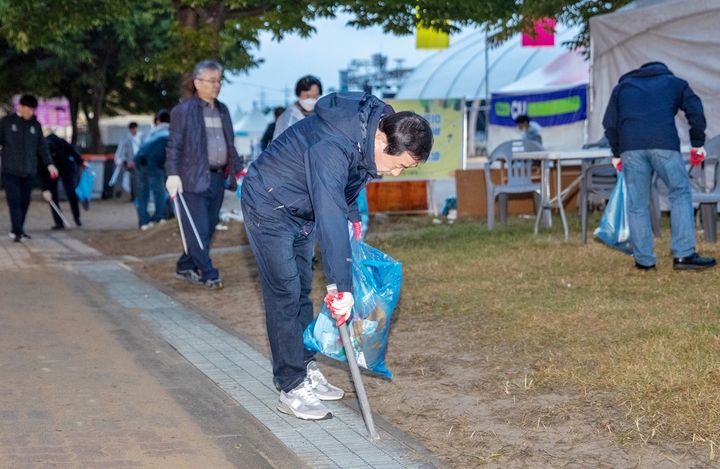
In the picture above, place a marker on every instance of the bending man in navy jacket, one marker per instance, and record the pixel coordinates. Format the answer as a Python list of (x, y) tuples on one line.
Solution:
[(640, 126), (201, 155), (306, 182)]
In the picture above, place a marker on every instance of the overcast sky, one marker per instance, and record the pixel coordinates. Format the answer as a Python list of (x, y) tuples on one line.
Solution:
[(324, 54)]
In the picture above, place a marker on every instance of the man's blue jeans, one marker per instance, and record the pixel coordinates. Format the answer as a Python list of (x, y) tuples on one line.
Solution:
[(205, 210), (150, 180), (638, 166), (283, 247)]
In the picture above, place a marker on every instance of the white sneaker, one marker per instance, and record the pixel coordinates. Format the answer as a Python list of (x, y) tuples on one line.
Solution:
[(323, 390), (147, 226), (303, 403)]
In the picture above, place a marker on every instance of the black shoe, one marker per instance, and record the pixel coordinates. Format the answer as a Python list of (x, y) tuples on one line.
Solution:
[(27, 236), (17, 240), (78, 222), (693, 261), (646, 268), (58, 227)]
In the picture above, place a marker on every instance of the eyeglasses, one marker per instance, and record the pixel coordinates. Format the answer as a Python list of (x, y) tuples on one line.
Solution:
[(212, 82)]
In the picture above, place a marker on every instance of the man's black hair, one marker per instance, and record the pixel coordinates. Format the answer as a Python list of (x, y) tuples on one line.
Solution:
[(29, 101), (277, 112), (163, 115), (407, 132), (132, 125), (522, 119), (305, 83)]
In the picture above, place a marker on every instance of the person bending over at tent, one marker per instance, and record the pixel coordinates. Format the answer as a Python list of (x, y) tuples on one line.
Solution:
[(530, 130), (307, 182)]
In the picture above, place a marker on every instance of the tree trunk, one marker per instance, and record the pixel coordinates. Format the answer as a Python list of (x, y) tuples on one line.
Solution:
[(74, 111), (96, 103)]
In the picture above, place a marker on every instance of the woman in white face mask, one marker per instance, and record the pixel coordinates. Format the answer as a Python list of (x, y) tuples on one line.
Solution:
[(308, 89)]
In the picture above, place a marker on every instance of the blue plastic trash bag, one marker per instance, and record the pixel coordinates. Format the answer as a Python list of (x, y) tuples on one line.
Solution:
[(377, 278), (614, 228), (450, 204), (85, 186), (364, 212)]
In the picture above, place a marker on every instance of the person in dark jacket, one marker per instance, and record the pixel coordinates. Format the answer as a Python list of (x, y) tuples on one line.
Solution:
[(270, 129), (640, 126), (201, 155), (68, 162), (305, 184), (23, 148), (149, 165)]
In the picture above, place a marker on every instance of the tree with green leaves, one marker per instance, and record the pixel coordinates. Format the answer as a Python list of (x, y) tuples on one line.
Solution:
[(107, 44)]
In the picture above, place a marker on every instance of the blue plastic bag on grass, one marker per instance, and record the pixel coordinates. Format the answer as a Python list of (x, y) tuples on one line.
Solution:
[(614, 229), (377, 279), (85, 186)]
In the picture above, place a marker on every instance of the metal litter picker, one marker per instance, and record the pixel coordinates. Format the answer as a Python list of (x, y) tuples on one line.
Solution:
[(60, 214), (355, 372)]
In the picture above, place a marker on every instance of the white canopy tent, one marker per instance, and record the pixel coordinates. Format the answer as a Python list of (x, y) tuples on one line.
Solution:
[(680, 33), (249, 131), (570, 71)]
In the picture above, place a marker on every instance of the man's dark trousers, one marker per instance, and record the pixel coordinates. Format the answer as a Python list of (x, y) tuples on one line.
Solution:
[(283, 248), (17, 193), (205, 210), (67, 175)]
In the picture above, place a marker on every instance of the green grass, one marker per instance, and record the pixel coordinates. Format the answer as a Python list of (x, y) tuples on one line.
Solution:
[(577, 318)]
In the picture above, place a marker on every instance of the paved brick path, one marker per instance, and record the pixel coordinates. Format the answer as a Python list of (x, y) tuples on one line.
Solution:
[(102, 370)]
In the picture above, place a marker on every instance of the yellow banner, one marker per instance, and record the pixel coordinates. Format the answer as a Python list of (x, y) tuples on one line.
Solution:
[(428, 38), (445, 118)]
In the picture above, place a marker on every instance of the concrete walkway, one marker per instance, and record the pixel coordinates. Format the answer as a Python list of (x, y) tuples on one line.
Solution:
[(102, 369)]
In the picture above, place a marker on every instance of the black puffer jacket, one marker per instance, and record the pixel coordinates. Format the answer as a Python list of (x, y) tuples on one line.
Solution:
[(23, 145), (187, 154), (316, 169)]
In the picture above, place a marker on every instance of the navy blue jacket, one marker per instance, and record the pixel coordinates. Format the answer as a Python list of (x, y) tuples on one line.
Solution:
[(23, 145), (642, 108), (187, 154), (316, 169), (153, 152)]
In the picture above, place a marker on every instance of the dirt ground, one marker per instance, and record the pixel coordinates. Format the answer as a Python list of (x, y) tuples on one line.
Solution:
[(450, 401)]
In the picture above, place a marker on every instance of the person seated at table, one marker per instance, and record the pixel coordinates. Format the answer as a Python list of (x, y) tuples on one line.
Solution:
[(530, 130)]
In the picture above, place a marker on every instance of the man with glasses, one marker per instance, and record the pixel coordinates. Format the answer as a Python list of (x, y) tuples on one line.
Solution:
[(200, 156)]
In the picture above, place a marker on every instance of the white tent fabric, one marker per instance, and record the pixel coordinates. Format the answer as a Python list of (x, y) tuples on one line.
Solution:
[(567, 71), (680, 33), (249, 131), (459, 71)]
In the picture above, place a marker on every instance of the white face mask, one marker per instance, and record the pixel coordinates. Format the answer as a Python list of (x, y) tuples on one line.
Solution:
[(307, 104)]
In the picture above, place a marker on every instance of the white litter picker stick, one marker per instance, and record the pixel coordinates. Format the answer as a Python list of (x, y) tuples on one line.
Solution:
[(190, 219), (355, 372), (60, 214), (177, 215), (114, 177)]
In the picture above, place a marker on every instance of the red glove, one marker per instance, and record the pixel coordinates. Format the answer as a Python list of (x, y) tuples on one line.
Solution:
[(340, 305), (357, 229), (617, 163), (697, 156)]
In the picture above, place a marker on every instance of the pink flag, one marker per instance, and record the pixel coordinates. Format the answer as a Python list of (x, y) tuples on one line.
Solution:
[(543, 38)]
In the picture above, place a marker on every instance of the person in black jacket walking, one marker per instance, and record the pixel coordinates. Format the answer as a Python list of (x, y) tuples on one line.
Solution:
[(640, 126), (307, 182), (201, 155), (68, 162), (23, 147)]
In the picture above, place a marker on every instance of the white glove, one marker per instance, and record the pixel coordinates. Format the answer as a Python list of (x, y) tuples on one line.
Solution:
[(173, 185), (52, 169), (340, 306), (47, 195)]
